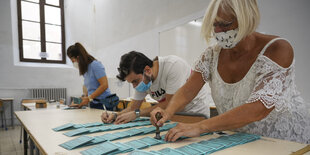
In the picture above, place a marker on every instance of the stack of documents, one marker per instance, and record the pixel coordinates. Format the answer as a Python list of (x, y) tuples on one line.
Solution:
[(75, 143), (116, 135), (210, 146)]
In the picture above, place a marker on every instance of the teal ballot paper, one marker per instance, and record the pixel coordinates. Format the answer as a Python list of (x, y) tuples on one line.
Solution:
[(104, 148), (64, 127), (170, 151), (77, 100), (77, 142)]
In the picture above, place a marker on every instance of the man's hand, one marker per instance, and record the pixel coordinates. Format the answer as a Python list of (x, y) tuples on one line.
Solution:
[(107, 118), (125, 117)]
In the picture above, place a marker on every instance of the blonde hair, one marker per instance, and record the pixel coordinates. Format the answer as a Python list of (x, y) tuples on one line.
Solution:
[(245, 11)]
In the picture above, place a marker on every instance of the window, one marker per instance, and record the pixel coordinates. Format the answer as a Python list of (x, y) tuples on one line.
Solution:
[(41, 31)]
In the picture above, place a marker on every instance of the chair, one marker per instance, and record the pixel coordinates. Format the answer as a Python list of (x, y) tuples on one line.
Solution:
[(124, 103), (143, 105), (2, 113)]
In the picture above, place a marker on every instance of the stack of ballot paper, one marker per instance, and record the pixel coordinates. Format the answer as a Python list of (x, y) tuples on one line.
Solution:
[(84, 130), (107, 148), (69, 126), (113, 136), (205, 146)]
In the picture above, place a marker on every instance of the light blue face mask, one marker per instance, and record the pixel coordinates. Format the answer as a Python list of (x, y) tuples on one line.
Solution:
[(142, 87)]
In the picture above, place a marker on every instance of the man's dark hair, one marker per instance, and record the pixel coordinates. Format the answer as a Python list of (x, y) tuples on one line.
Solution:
[(133, 61)]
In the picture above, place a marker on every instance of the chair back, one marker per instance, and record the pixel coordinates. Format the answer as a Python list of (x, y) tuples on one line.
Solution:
[(1, 106)]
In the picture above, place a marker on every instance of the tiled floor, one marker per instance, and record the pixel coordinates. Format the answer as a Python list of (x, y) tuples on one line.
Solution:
[(9, 141)]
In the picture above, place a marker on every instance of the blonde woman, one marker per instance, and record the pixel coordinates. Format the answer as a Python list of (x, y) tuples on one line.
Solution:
[(251, 76)]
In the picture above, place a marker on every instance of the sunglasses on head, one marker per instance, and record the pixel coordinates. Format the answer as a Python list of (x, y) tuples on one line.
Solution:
[(223, 24)]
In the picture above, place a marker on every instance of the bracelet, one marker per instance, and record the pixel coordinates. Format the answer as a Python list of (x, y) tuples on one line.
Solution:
[(90, 99), (137, 112)]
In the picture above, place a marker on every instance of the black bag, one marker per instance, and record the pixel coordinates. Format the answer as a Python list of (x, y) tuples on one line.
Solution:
[(110, 101)]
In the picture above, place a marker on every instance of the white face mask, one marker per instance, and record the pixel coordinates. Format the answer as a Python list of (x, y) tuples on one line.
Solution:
[(76, 65), (227, 39)]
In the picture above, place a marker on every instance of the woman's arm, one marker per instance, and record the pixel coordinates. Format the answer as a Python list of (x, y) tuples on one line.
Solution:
[(85, 92), (233, 119), (102, 87), (180, 99)]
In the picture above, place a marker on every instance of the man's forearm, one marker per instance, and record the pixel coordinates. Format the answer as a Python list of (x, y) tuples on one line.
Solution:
[(124, 111)]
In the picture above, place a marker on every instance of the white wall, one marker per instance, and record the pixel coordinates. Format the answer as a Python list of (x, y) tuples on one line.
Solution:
[(290, 19), (184, 41), (101, 23)]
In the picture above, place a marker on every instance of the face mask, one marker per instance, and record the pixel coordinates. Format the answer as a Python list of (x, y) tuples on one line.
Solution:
[(76, 65), (227, 39), (142, 87)]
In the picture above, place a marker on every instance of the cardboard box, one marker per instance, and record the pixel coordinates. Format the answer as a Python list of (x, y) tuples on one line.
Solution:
[(41, 104)]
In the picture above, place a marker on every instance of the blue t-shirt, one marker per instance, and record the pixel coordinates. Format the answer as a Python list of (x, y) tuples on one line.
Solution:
[(95, 71)]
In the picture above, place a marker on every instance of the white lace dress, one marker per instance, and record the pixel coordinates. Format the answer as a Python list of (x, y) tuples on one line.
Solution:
[(267, 82)]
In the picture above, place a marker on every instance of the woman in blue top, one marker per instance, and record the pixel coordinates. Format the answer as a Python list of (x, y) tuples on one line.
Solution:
[(95, 79)]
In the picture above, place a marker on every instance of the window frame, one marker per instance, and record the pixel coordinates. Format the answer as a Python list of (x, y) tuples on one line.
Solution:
[(42, 32)]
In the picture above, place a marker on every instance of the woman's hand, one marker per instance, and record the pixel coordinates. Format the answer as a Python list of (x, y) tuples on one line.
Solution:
[(184, 129), (125, 117), (84, 102), (108, 118), (73, 105), (165, 116)]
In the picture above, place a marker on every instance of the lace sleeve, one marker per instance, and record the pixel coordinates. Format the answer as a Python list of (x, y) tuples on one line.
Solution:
[(273, 85), (203, 64)]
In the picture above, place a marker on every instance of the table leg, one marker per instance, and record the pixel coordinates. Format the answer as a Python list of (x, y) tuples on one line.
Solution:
[(31, 147), (37, 151), (25, 143), (12, 116)]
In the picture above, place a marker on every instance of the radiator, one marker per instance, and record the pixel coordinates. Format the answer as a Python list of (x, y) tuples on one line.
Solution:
[(49, 93)]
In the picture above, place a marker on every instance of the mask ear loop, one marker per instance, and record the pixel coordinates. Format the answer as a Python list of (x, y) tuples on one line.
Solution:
[(143, 77)]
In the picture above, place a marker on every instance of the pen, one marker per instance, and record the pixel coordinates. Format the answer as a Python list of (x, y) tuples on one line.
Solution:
[(105, 109)]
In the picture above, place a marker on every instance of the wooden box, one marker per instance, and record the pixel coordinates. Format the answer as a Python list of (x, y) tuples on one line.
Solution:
[(41, 104)]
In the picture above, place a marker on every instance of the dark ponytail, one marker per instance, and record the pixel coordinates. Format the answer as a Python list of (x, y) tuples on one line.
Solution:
[(78, 52)]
